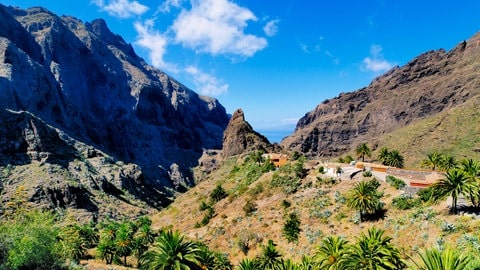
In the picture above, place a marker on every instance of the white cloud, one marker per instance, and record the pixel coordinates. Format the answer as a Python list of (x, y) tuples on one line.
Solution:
[(376, 62), (168, 4), (217, 27), (271, 28), (207, 84), (154, 42), (121, 8)]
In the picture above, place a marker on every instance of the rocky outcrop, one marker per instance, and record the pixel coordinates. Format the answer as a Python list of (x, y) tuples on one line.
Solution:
[(87, 83), (431, 83), (58, 172), (239, 137)]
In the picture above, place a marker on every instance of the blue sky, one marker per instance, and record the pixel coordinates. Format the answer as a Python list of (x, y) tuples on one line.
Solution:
[(277, 59)]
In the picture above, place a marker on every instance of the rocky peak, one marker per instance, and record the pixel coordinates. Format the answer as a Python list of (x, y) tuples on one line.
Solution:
[(239, 137)]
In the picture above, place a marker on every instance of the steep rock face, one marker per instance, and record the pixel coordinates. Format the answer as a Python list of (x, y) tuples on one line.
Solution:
[(58, 172), (90, 83), (239, 137), (431, 83), (84, 80)]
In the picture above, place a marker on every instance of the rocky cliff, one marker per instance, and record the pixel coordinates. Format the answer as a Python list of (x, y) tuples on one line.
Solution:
[(239, 137), (431, 83), (87, 83)]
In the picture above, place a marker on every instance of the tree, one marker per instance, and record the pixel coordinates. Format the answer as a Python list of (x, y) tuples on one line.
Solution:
[(394, 159), (270, 258), (124, 242), (247, 264), (373, 251), (218, 194), (29, 240), (448, 258), (472, 170), (171, 251), (143, 237), (291, 228), (213, 260), (448, 163), (330, 252), (106, 248), (454, 183), (383, 155), (363, 150), (432, 161), (365, 198)]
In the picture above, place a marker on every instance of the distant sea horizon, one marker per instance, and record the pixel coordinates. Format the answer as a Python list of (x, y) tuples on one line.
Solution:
[(276, 136)]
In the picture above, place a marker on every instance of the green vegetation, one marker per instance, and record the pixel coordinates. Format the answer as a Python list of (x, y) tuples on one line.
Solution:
[(363, 150), (395, 182), (391, 158), (436, 160), (218, 194), (133, 243), (291, 228), (365, 198), (405, 202)]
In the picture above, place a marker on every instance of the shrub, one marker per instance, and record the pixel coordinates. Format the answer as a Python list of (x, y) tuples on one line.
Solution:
[(29, 241), (249, 207), (321, 170), (291, 228), (404, 202), (218, 194), (395, 182), (286, 204), (367, 174), (425, 194)]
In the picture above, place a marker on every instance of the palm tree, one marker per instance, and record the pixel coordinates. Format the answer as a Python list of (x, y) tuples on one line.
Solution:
[(472, 169), (171, 252), (247, 264), (373, 251), (330, 252), (363, 150), (448, 163), (270, 257), (364, 198), (447, 259), (143, 237), (106, 248), (383, 155), (455, 183), (307, 263), (395, 159), (213, 260), (124, 243), (433, 160)]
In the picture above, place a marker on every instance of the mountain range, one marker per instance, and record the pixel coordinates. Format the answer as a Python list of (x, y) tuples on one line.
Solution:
[(88, 125), (72, 92), (435, 84)]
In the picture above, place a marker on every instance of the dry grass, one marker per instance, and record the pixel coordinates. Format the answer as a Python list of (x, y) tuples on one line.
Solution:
[(231, 228)]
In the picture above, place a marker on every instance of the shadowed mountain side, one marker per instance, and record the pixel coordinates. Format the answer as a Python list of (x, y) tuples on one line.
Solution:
[(88, 82)]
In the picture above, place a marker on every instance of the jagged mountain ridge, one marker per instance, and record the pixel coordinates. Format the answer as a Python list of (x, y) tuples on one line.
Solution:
[(86, 80), (88, 83), (431, 83)]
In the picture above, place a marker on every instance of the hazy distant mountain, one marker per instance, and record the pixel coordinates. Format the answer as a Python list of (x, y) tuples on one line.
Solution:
[(433, 83), (87, 85)]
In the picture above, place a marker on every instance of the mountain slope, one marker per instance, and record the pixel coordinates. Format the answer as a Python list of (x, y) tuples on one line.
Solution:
[(86, 82), (434, 82)]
